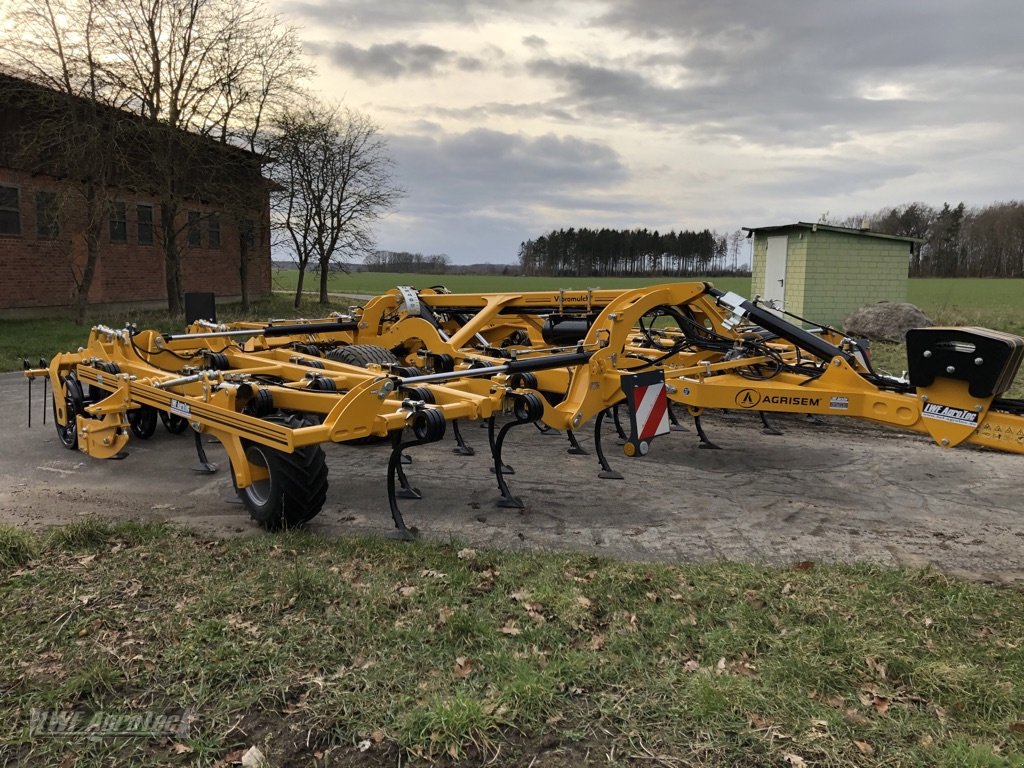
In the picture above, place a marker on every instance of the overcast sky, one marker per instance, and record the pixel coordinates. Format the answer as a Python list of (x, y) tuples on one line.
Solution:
[(508, 118)]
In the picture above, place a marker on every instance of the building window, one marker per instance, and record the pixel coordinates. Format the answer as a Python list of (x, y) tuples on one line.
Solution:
[(194, 235), (47, 218), (118, 223), (10, 211), (145, 217), (213, 230)]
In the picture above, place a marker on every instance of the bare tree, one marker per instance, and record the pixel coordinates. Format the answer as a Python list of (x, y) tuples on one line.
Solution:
[(208, 67), (72, 135), (334, 177)]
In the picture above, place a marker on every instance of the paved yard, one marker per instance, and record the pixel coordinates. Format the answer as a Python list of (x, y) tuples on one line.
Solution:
[(841, 491)]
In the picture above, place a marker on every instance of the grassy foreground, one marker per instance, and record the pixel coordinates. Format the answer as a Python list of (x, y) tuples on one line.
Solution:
[(338, 653)]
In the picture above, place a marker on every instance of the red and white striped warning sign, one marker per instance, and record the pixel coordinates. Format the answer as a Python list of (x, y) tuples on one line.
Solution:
[(648, 410), (651, 410)]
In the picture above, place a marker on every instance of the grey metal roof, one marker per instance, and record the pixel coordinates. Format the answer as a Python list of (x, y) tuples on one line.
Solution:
[(828, 228)]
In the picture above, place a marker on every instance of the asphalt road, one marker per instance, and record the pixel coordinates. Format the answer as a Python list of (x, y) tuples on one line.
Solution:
[(837, 492)]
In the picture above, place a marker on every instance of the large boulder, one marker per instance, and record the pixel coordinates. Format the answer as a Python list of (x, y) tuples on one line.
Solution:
[(885, 321)]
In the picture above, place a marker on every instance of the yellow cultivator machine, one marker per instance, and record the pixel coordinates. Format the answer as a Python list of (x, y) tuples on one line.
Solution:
[(409, 362)]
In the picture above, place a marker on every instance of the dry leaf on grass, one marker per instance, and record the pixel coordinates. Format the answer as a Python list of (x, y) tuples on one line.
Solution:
[(864, 747), (463, 667)]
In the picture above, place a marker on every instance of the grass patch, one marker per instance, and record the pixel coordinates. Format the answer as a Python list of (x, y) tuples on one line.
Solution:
[(343, 652), (45, 337), (16, 547)]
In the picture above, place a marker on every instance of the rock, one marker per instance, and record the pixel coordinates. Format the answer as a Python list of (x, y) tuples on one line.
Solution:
[(885, 321)]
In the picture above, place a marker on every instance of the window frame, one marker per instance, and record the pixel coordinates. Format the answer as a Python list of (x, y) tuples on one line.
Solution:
[(7, 209), (121, 222), (213, 231), (149, 240)]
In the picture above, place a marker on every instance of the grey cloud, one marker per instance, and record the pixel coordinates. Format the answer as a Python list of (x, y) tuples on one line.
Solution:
[(387, 61), (482, 167), (407, 14), (477, 195), (534, 41)]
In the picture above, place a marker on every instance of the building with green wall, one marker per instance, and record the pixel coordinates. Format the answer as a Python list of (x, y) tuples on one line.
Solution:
[(823, 273)]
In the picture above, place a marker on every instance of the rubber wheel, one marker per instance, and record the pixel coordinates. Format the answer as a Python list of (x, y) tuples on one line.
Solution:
[(296, 488), (362, 355), (142, 421), (74, 404), (174, 424)]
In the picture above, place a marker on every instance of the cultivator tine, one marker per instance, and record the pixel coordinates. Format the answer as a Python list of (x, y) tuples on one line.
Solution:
[(505, 468), (526, 409), (606, 473), (544, 429), (619, 430), (401, 532), (703, 437), (428, 426), (575, 448), (462, 449), (204, 465), (407, 491), (767, 427)]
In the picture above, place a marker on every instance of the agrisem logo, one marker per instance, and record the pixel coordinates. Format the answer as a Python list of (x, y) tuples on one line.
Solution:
[(748, 398)]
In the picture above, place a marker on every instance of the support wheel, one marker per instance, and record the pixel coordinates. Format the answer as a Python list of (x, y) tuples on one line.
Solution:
[(295, 486), (362, 355), (74, 404), (174, 424), (142, 421)]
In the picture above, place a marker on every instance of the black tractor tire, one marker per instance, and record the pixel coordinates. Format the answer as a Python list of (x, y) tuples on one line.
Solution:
[(362, 355), (296, 488), (142, 421), (74, 404), (173, 423)]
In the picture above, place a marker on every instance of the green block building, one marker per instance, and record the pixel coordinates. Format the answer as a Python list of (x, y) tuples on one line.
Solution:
[(823, 273)]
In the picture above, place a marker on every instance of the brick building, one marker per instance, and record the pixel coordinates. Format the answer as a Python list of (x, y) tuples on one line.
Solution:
[(823, 272), (43, 251)]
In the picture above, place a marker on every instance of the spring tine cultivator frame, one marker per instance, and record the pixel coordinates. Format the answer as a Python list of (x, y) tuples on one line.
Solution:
[(409, 362)]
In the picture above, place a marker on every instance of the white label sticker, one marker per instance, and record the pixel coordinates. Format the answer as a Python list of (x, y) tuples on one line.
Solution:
[(950, 414), (180, 409), (839, 403)]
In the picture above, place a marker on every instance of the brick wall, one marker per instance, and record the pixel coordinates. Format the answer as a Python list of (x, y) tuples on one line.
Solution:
[(39, 272)]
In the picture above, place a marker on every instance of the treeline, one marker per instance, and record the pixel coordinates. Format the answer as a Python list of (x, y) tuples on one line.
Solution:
[(958, 241), (618, 253), (402, 261)]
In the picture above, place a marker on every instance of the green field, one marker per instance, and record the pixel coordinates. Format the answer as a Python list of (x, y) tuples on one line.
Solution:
[(378, 282)]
